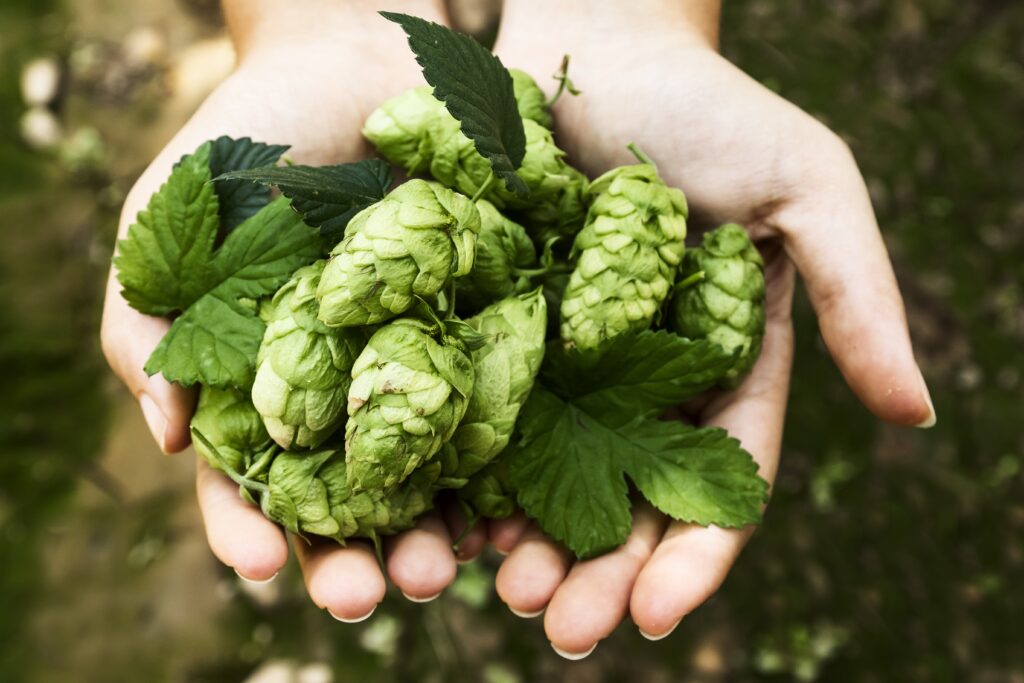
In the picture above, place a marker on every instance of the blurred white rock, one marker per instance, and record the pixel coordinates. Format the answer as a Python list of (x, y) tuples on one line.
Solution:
[(316, 672), (145, 46), (40, 129), (40, 81)]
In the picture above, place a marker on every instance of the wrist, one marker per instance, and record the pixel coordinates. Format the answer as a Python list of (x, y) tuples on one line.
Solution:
[(688, 22)]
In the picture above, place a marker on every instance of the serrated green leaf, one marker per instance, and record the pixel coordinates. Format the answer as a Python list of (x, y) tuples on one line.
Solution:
[(579, 496), (326, 196), (476, 88), (163, 262), (216, 339), (569, 470), (239, 199), (641, 373)]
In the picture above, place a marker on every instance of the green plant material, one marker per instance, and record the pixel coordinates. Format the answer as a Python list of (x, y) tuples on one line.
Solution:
[(505, 368), (628, 252), (303, 366), (530, 99), (415, 132), (596, 420), (502, 249), (568, 470), (409, 244), (476, 88), (239, 200), (326, 196), (228, 419), (725, 305), (168, 265), (410, 388), (489, 493)]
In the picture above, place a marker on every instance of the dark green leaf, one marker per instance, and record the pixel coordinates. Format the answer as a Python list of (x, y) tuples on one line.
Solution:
[(569, 471), (238, 199), (477, 90), (641, 373), (326, 196)]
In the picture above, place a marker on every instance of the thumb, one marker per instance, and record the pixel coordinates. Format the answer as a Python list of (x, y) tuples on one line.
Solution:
[(128, 338)]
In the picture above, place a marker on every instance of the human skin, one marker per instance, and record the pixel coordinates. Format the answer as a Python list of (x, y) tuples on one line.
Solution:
[(741, 153), (310, 71), (308, 74)]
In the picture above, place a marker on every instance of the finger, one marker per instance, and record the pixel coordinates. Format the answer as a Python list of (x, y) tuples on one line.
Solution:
[(466, 544), (420, 561), (238, 533), (832, 236), (691, 562), (595, 595), (344, 580), (532, 572), (504, 534), (128, 338)]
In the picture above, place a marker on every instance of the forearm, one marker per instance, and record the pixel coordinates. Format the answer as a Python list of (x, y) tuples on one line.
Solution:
[(697, 19), (269, 24)]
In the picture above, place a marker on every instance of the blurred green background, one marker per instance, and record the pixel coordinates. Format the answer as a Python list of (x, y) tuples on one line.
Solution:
[(887, 555)]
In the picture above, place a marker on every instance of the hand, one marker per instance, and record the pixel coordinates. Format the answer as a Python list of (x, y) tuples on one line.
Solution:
[(741, 154), (309, 73)]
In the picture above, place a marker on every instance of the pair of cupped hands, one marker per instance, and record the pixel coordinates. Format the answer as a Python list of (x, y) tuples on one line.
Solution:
[(309, 72)]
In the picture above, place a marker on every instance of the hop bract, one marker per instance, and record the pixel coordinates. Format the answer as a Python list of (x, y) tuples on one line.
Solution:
[(628, 252), (726, 304), (502, 249), (506, 367), (228, 420), (489, 492), (410, 244), (410, 388), (303, 366)]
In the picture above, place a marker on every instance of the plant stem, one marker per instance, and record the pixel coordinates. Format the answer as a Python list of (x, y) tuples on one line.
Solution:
[(483, 188), (639, 154)]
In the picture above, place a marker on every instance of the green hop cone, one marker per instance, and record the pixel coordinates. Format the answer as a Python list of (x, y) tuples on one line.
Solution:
[(725, 304), (303, 366), (503, 247), (227, 418), (531, 100), (408, 245), (505, 367), (415, 131), (409, 391), (405, 128), (629, 251), (489, 492), (308, 493)]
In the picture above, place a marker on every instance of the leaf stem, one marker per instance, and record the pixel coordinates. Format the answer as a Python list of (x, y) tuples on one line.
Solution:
[(228, 470), (484, 188), (690, 280), (564, 83), (639, 154)]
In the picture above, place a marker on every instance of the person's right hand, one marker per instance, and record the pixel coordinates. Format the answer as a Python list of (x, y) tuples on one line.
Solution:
[(309, 73)]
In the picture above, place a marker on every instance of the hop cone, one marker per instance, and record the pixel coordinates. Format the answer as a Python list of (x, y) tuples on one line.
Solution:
[(308, 493), (628, 251), (726, 305), (227, 418), (489, 492), (302, 369), (503, 246), (531, 100), (416, 131), (505, 367), (404, 129), (408, 393), (409, 244)]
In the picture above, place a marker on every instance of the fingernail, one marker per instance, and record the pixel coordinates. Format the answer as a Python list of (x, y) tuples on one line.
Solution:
[(255, 581), (356, 620), (155, 420), (931, 419), (526, 615), (426, 599), (666, 634), (573, 656)]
